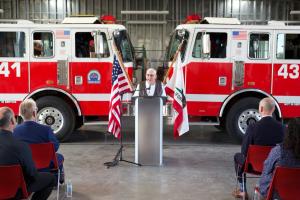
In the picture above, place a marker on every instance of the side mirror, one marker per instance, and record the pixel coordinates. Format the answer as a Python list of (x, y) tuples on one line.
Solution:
[(206, 44), (99, 42)]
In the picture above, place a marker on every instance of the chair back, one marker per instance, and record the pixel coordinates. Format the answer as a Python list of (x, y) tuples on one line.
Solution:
[(11, 181), (256, 156), (286, 182), (43, 154)]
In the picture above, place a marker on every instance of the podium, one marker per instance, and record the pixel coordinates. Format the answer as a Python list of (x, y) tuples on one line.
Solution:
[(149, 130)]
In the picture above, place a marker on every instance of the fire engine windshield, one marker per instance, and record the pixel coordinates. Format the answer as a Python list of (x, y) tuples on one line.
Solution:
[(174, 43), (124, 46)]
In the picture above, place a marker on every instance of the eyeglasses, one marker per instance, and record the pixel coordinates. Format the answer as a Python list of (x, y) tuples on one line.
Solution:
[(149, 74)]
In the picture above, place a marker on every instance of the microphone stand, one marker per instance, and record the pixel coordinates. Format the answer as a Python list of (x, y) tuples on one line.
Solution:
[(119, 156)]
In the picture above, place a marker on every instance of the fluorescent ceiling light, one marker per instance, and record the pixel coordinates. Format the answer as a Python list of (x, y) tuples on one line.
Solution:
[(145, 12), (295, 12), (146, 22)]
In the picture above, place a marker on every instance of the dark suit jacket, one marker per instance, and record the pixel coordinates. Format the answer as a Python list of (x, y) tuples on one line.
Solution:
[(34, 133), (13, 151), (265, 132)]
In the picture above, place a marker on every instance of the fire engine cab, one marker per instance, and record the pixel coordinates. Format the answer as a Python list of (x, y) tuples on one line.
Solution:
[(230, 67), (65, 67)]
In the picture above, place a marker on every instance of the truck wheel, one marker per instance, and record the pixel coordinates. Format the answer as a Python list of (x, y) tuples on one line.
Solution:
[(57, 114), (243, 113)]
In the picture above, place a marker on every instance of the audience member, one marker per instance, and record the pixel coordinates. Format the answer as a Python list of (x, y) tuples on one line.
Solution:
[(33, 133), (13, 151), (286, 154), (266, 132)]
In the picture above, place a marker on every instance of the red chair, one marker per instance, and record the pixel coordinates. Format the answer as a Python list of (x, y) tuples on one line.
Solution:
[(254, 163), (255, 159), (286, 182), (43, 155), (11, 181)]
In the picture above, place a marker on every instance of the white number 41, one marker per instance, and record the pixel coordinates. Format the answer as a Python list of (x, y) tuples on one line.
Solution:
[(5, 69), (291, 71)]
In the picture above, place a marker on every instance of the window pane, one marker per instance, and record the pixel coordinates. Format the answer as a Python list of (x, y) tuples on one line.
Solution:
[(43, 44), (259, 46), (218, 45), (197, 50), (174, 43), (288, 46), (280, 46), (85, 47), (124, 46), (12, 44)]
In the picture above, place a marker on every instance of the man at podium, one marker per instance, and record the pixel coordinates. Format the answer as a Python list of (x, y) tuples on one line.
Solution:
[(150, 87)]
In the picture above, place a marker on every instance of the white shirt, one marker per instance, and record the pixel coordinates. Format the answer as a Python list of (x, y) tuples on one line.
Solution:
[(149, 89)]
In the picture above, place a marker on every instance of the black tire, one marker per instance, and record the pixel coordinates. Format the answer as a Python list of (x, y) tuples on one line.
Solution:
[(55, 112), (236, 127)]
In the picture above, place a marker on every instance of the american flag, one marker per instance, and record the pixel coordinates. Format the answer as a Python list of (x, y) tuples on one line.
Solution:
[(239, 35), (120, 85), (62, 34)]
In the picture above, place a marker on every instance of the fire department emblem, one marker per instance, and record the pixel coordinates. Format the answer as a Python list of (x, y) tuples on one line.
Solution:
[(94, 77)]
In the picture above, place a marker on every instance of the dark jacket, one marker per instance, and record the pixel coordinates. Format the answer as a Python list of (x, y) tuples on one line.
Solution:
[(143, 90), (34, 133), (265, 132), (13, 151)]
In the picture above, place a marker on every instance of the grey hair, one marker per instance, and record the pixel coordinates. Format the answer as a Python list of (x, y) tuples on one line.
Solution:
[(27, 108), (151, 69), (6, 115)]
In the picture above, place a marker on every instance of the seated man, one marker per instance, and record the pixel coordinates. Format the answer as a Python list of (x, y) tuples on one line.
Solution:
[(266, 132), (14, 152), (33, 133)]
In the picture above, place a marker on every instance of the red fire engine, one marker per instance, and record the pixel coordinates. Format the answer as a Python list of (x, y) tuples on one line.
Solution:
[(229, 67), (65, 67)]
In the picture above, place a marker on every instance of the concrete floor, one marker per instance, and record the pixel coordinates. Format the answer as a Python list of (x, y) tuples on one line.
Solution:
[(198, 165)]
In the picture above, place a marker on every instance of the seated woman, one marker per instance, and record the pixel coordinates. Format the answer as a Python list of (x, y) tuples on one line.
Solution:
[(286, 154)]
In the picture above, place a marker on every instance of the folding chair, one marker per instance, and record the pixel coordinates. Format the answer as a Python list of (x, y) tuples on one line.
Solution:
[(11, 181), (43, 154), (286, 183), (254, 163)]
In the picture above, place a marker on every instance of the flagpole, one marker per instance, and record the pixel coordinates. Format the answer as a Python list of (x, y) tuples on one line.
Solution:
[(119, 57), (173, 61)]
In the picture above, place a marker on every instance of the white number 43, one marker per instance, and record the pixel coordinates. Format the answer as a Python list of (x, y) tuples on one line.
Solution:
[(5, 69), (291, 71)]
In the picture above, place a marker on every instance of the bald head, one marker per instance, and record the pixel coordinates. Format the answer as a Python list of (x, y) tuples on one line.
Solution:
[(266, 106), (7, 120), (151, 76)]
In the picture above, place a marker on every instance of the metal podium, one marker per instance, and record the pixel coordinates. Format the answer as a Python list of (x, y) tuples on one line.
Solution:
[(148, 130)]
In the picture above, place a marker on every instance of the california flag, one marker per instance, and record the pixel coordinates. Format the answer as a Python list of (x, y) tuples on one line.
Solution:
[(176, 88)]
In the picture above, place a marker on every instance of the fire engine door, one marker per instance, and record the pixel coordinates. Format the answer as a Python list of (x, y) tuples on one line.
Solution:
[(208, 77), (49, 59), (90, 76), (251, 58), (13, 66), (286, 71)]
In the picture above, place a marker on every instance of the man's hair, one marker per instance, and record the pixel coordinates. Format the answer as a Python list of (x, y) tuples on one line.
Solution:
[(268, 104), (6, 115), (152, 69), (27, 108)]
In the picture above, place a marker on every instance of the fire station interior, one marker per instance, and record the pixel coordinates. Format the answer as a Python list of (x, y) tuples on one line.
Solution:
[(233, 54)]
